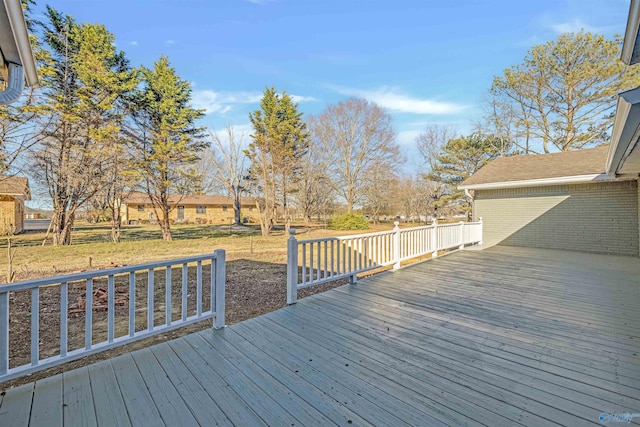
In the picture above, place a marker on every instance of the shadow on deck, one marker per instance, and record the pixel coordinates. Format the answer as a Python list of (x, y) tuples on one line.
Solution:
[(502, 336)]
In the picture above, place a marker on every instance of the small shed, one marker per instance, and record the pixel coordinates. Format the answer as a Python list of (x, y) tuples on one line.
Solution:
[(14, 191), (557, 201)]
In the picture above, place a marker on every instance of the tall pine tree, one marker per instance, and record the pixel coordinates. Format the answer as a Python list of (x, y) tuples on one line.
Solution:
[(280, 140), (84, 80), (167, 141), (456, 161)]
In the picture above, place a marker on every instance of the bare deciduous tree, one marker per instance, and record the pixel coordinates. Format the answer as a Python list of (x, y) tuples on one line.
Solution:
[(314, 189), (223, 166), (430, 140), (359, 135), (380, 191)]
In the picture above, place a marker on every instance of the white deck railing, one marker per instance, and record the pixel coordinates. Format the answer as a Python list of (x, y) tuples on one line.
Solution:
[(316, 261), (212, 265)]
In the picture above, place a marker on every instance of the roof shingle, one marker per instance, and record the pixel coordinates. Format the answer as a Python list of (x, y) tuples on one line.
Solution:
[(15, 186), (540, 166)]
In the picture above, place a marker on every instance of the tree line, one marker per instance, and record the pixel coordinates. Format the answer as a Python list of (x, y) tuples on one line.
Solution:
[(98, 128)]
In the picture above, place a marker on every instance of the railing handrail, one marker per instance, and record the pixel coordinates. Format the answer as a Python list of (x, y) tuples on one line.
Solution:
[(66, 278), (342, 238), (380, 233)]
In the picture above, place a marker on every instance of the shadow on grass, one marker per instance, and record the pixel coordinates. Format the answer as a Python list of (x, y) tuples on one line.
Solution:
[(132, 233)]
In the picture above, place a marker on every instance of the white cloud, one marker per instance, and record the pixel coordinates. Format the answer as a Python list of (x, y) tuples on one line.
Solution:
[(299, 99), (169, 42), (574, 26), (391, 99), (407, 137), (223, 102), (133, 43)]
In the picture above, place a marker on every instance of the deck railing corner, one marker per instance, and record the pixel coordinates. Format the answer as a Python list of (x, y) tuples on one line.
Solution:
[(316, 261)]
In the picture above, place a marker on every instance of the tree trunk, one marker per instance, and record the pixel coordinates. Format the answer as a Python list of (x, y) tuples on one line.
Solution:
[(61, 224), (236, 210), (116, 224), (165, 226), (266, 221)]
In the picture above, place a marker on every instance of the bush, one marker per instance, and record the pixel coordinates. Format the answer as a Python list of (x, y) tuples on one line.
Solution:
[(348, 222)]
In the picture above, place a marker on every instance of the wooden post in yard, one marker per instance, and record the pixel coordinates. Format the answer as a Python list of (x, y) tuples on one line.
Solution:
[(461, 247), (481, 230)]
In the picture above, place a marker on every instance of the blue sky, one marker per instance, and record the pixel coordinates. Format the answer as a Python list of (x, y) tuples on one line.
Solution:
[(424, 61)]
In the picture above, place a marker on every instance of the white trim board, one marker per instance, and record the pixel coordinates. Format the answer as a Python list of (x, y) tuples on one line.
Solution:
[(577, 179)]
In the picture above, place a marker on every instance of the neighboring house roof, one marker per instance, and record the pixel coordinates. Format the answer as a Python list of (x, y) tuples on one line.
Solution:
[(204, 200), (541, 169), (15, 186), (16, 56)]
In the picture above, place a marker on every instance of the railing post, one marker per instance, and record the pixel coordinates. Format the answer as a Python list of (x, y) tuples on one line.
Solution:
[(434, 238), (461, 247), (480, 221), (221, 277), (4, 333), (396, 245), (292, 267)]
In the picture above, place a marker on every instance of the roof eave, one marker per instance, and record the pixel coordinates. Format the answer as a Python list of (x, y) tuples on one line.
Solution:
[(23, 68), (577, 179), (630, 42), (624, 135)]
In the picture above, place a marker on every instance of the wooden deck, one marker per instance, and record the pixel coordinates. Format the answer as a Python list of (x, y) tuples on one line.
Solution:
[(498, 337)]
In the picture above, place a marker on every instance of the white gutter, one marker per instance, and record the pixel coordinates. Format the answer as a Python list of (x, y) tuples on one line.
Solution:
[(631, 33), (624, 135), (577, 179), (27, 66)]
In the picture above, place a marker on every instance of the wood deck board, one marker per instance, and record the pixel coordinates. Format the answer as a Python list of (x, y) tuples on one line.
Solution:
[(16, 406), (441, 398), (504, 336), (232, 404), (445, 338), (110, 409), (338, 413), (170, 403), (78, 401), (449, 327), (137, 398), (275, 409), (203, 406), (46, 408), (304, 412), (497, 377), (483, 385)]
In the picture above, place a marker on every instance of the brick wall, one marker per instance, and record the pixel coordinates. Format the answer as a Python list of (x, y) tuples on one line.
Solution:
[(595, 217), (11, 215), (213, 214)]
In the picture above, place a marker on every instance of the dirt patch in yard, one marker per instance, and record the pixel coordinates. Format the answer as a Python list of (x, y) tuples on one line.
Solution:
[(253, 288)]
